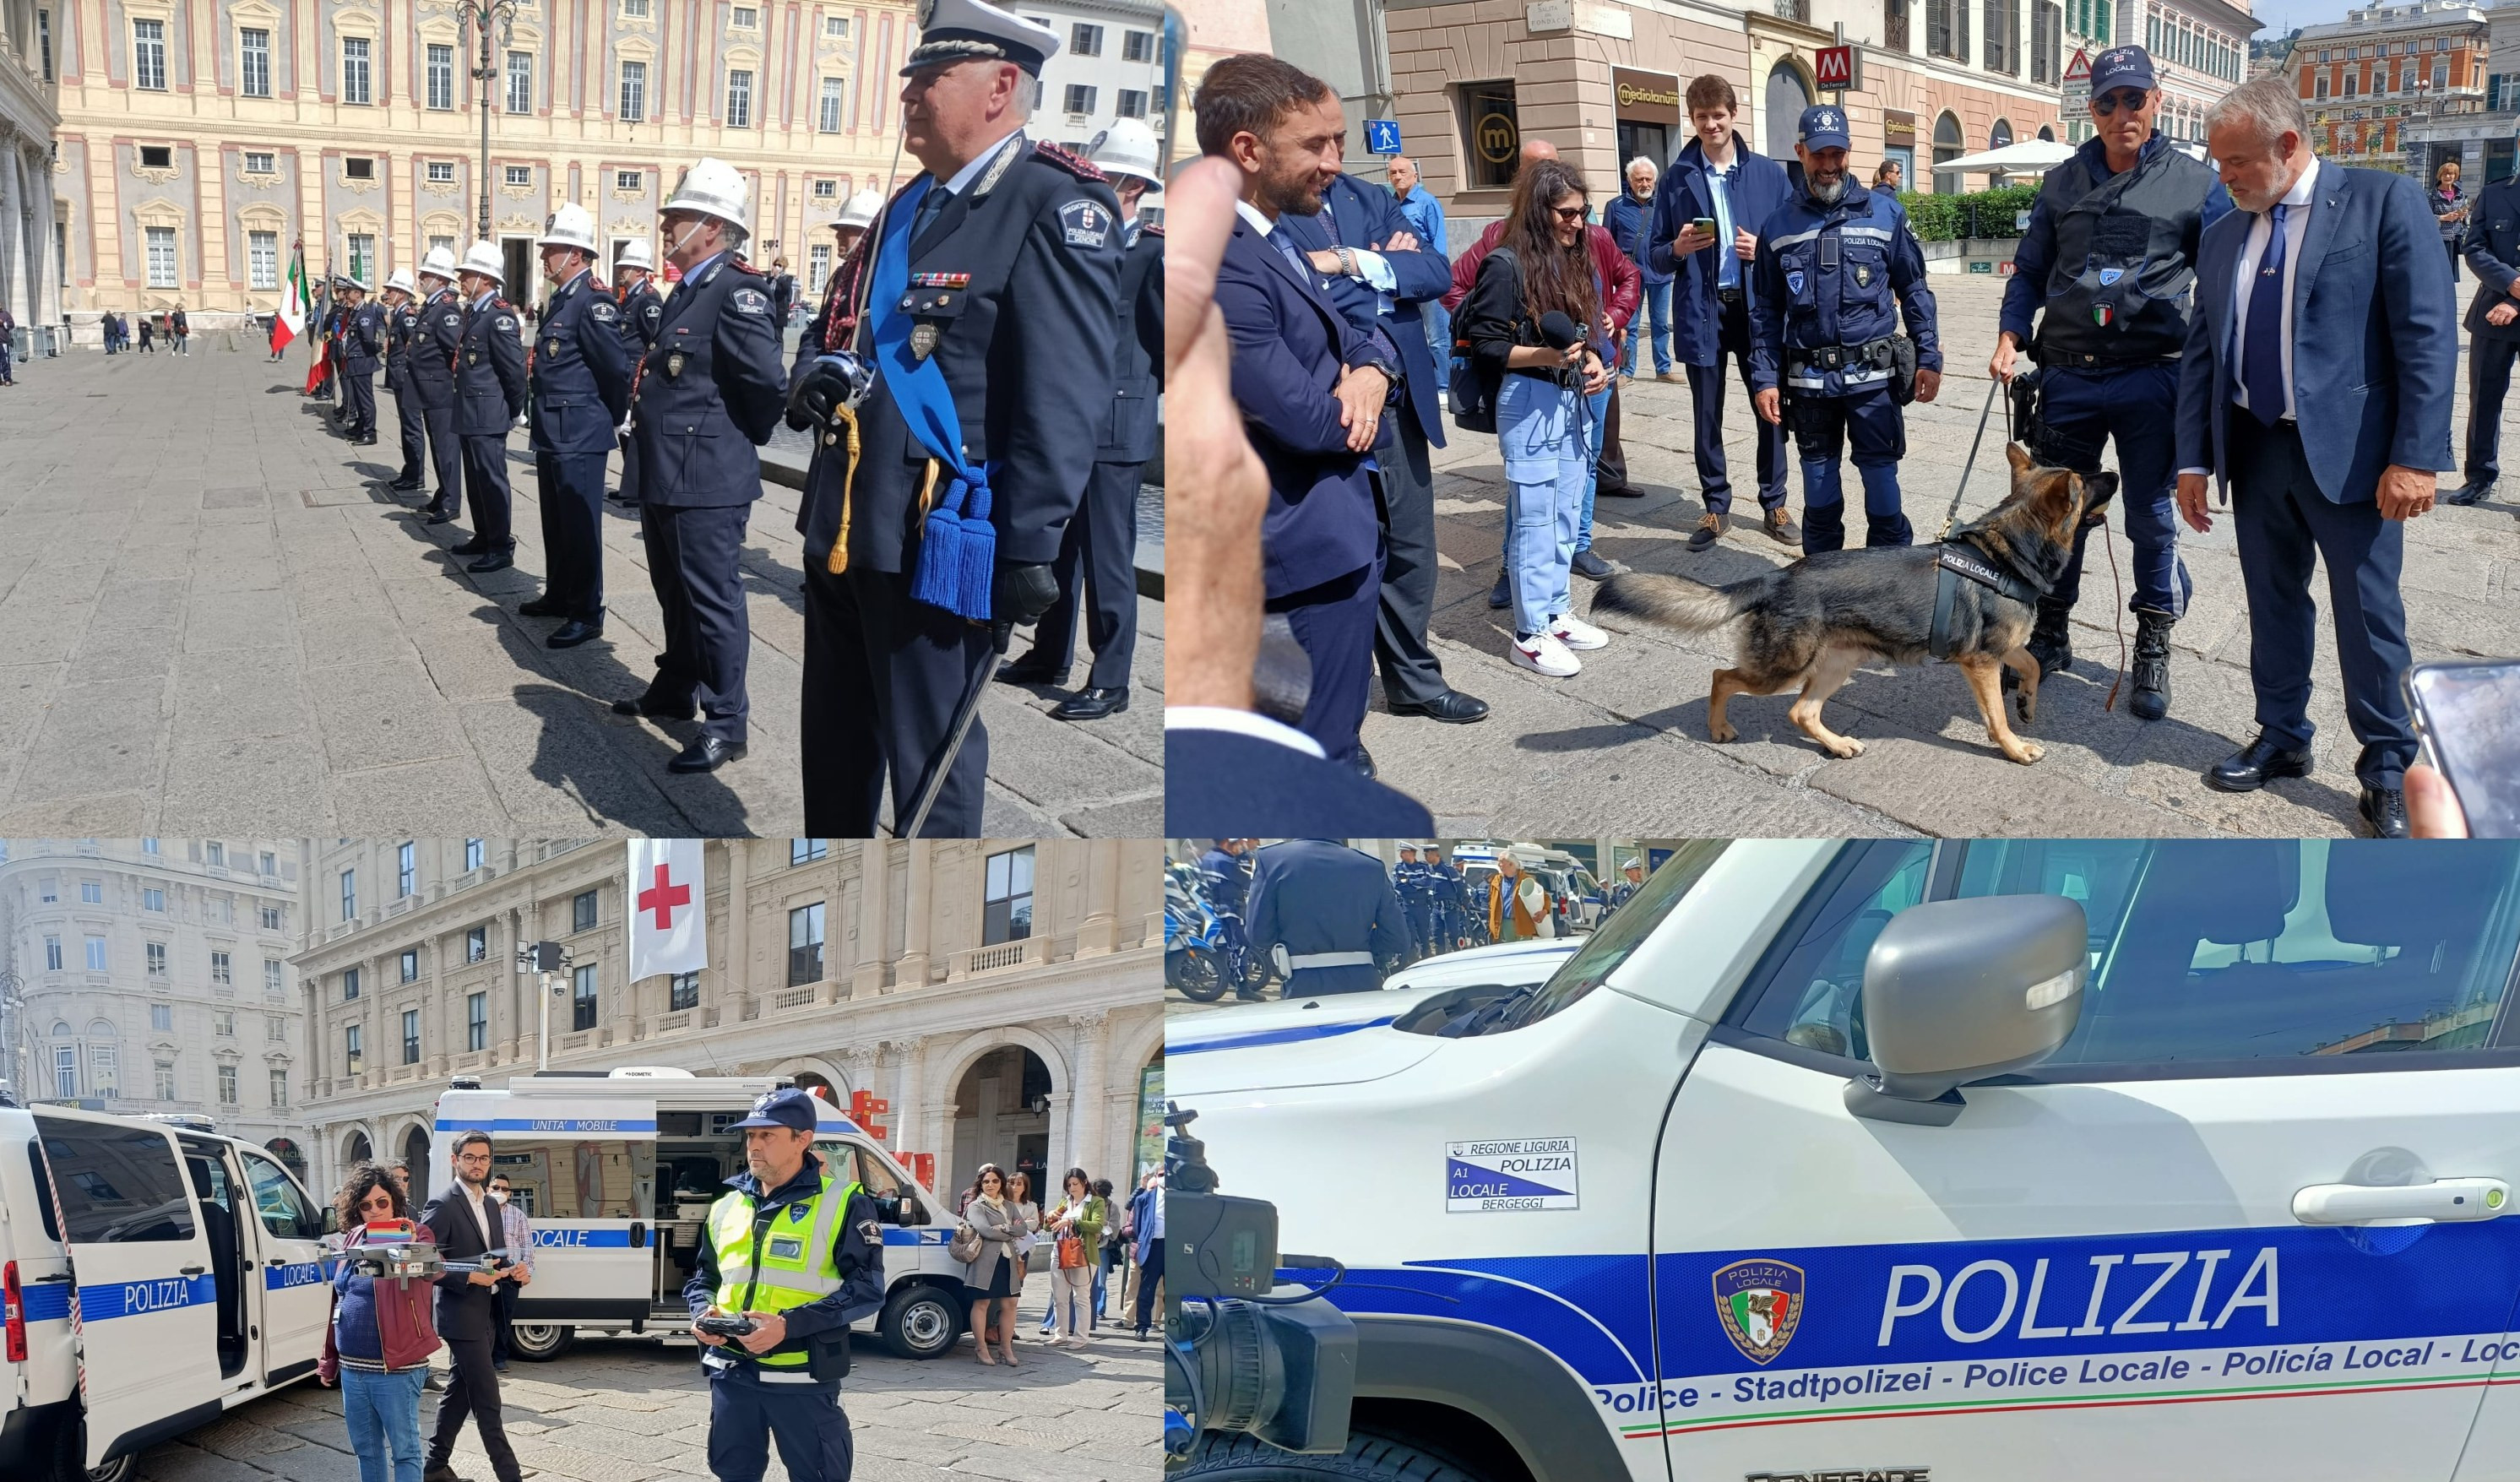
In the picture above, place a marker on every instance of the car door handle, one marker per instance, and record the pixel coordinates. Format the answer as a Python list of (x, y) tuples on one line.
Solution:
[(2446, 1200), (62, 1275), (193, 1271)]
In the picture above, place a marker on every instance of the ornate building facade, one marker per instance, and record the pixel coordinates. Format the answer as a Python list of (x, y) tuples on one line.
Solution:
[(30, 222)]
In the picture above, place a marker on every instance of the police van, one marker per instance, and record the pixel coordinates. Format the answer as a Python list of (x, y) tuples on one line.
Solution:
[(153, 1274), (616, 1171), (2019, 1159)]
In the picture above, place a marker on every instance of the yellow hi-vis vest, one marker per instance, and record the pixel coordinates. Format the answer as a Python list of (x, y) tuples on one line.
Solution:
[(784, 1262)]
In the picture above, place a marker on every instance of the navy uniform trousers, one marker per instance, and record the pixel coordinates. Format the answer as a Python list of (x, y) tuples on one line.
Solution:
[(571, 488), (1823, 425), (692, 565), (2137, 406), (361, 388), (485, 486), (446, 457), (899, 669), (413, 423), (2283, 523), (2488, 381), (806, 1421), (1099, 548)]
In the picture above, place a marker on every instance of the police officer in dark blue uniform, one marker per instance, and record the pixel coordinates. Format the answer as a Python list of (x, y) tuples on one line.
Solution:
[(1097, 560), (2111, 255), (641, 307), (402, 320), (706, 398), (363, 343), (1415, 891), (758, 1390), (1838, 269), (489, 395), (437, 347), (1452, 906), (1224, 871), (579, 373), (1331, 910), (1632, 880), (992, 281), (2493, 254)]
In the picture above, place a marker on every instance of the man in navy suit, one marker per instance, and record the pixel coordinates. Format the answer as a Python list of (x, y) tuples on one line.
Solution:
[(2316, 385), (1312, 389), (1379, 275)]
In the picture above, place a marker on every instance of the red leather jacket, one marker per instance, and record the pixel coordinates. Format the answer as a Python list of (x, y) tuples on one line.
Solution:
[(1620, 276), (405, 1329)]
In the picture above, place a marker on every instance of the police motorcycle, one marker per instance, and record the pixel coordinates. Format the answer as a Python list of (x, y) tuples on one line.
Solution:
[(2048, 1161), (1198, 960)]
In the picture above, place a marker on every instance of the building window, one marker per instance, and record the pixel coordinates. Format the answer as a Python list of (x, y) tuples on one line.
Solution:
[(407, 853), (1080, 97), (476, 1022), (1132, 103), (350, 1044), (836, 27), (51, 954), (270, 863), (685, 992), (222, 973), (263, 259), (825, 190), (96, 954), (349, 895), (625, 180), (634, 79), (149, 55), (227, 1085), (1005, 913), (254, 74), (1137, 46), (165, 1080), (271, 918), (442, 172), (411, 1036), (162, 1017), (582, 998), (448, 243), (2319, 93), (66, 1072), (636, 9), (805, 850), (355, 70), (273, 1028), (834, 95), (746, 17), (350, 983), (223, 1024), (363, 267), (409, 962), (441, 76), (48, 890), (271, 975), (739, 99), (476, 944), (1491, 135), (1085, 40), (156, 955), (520, 176), (280, 1088), (818, 266), (2441, 76), (805, 945), (44, 40), (153, 898), (581, 912), (521, 82), (472, 854), (92, 893), (104, 1073)]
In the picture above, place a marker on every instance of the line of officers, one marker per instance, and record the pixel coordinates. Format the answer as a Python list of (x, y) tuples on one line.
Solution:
[(991, 336)]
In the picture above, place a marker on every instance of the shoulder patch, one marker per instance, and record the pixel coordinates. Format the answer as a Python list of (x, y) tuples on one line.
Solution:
[(1067, 159), (451, 321), (603, 309), (749, 302), (1085, 224), (506, 321)]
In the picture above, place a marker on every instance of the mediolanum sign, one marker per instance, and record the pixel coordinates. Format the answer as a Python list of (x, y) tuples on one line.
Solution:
[(1647, 97)]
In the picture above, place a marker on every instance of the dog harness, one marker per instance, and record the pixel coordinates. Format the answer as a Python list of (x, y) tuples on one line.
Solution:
[(1956, 560)]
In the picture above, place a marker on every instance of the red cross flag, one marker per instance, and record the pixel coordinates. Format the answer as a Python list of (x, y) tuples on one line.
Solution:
[(668, 907)]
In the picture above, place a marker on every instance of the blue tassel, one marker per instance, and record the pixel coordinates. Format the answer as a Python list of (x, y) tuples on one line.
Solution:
[(980, 550), (940, 556)]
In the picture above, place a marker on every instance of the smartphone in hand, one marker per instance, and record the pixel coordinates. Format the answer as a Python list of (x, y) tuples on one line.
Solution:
[(2467, 715)]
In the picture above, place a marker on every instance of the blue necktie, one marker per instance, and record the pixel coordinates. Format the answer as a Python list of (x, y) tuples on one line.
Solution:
[(934, 203), (1293, 254), (2262, 338)]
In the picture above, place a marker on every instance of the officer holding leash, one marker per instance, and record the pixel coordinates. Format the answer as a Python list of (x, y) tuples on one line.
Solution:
[(2110, 254), (790, 1258), (1837, 268)]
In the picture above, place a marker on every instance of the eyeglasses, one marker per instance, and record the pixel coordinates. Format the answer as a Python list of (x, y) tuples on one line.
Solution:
[(1568, 213), (2127, 99)]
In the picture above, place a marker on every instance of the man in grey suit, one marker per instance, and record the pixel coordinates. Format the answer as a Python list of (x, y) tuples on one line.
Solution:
[(2316, 386)]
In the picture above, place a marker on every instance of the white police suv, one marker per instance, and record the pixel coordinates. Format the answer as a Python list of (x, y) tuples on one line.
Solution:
[(152, 1275), (1881, 1159)]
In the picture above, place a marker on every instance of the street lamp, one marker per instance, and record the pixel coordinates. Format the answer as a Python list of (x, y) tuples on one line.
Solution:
[(481, 12)]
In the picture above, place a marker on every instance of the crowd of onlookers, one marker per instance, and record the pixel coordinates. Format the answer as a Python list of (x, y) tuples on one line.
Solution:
[(1097, 1243)]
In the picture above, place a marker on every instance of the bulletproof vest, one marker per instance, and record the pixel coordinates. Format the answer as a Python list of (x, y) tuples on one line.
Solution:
[(2123, 279)]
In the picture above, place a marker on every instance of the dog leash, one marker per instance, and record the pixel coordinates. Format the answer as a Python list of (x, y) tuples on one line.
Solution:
[(1952, 516)]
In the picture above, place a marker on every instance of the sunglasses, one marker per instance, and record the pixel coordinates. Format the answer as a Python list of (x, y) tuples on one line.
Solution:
[(2126, 99), (1568, 212)]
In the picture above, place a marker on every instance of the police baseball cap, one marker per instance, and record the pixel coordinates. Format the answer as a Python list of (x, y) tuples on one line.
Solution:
[(957, 30), (1823, 127), (2122, 66), (791, 1109)]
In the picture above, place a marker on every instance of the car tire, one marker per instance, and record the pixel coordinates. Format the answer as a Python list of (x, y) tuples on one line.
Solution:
[(920, 1322), (1368, 1458), (69, 1455), (541, 1342)]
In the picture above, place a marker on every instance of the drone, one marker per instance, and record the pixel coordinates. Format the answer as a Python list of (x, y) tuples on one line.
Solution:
[(392, 1254)]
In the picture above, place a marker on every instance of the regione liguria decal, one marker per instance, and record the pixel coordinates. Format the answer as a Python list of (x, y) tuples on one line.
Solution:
[(1513, 1174), (1761, 1303)]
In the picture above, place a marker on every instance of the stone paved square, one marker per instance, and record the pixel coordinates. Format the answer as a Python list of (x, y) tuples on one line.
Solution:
[(628, 1410), (215, 617), (1622, 746)]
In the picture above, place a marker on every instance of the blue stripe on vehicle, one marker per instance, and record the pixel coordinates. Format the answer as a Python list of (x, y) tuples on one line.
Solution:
[(127, 1299), (1272, 1036), (49, 1302), (894, 1234), (547, 1237), (563, 1126), (280, 1275)]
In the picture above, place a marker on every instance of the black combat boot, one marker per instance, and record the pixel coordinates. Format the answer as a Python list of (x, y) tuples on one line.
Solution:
[(2151, 697)]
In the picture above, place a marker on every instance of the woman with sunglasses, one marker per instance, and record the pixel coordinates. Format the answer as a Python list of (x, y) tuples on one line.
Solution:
[(1525, 321), (378, 1345)]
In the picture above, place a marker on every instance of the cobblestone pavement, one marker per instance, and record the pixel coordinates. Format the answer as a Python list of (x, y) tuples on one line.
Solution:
[(1622, 747), (213, 616), (626, 1410)]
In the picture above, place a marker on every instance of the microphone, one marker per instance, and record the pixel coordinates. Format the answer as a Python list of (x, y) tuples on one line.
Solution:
[(1560, 331)]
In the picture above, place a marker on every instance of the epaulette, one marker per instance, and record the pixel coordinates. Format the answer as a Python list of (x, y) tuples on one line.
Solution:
[(742, 266), (1151, 229), (1067, 159)]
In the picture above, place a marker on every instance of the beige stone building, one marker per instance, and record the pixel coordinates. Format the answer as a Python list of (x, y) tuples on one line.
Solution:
[(31, 228), (1003, 996), (198, 142)]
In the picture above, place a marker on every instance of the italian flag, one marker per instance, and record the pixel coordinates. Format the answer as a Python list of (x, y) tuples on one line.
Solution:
[(294, 308)]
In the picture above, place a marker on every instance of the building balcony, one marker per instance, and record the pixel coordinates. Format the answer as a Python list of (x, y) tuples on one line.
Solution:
[(978, 962)]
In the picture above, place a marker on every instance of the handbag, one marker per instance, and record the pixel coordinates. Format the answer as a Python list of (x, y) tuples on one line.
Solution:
[(966, 1244), (1071, 1252)]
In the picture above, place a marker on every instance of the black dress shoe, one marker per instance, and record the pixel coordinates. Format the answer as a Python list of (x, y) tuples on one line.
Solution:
[(655, 710), (406, 483), (438, 518), (1501, 595), (575, 631), (1589, 567), (2255, 765), (542, 606), (1623, 491), (496, 560), (1450, 706), (1364, 763), (2385, 809), (364, 440), (476, 546), (1025, 671), (707, 753), (2469, 493), (1091, 703)]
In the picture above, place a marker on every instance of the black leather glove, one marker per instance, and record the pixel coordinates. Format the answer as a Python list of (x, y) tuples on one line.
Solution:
[(819, 386), (1024, 594)]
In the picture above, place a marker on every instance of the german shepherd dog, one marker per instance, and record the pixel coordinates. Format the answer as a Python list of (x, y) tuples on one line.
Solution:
[(1813, 622)]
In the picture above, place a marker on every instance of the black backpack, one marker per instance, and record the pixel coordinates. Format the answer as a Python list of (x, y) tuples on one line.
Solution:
[(1473, 394)]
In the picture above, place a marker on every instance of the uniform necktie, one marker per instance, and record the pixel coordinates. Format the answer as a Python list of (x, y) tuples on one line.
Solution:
[(2262, 338), (928, 205)]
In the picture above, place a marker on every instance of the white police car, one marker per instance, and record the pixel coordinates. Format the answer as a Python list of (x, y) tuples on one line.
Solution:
[(618, 1170), (152, 1275), (2021, 1159)]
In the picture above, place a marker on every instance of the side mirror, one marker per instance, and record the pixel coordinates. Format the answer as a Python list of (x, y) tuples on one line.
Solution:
[(332, 1220), (1957, 991), (900, 1209)]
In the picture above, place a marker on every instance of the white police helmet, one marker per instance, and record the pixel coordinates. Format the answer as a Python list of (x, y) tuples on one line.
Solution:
[(401, 279), (439, 265), (860, 210), (483, 258), (712, 187), (636, 253), (1127, 148), (569, 227)]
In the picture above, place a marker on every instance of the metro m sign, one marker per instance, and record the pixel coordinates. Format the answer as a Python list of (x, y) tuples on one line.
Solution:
[(1833, 66)]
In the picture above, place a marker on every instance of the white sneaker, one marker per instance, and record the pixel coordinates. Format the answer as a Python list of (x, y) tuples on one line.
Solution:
[(1544, 654), (1575, 633)]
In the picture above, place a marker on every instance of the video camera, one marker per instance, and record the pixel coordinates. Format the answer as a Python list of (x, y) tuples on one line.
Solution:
[(1279, 1367)]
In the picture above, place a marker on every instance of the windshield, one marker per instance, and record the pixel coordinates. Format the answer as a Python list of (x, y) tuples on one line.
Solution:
[(1618, 935)]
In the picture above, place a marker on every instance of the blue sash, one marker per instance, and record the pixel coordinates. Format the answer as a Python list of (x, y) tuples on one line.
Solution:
[(957, 548)]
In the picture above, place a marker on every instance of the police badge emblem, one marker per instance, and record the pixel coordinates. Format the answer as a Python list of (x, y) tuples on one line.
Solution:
[(1760, 1303), (674, 365), (1863, 275), (550, 346), (1794, 280), (2109, 276), (923, 340)]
